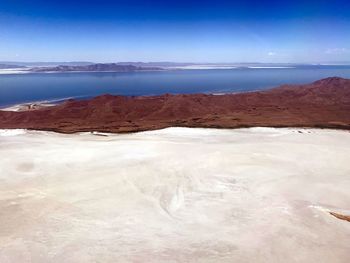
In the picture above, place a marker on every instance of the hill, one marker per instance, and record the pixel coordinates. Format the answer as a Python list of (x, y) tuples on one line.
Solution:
[(324, 104)]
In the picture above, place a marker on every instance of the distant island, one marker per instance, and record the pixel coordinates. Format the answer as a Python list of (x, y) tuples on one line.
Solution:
[(100, 67), (8, 67), (321, 104)]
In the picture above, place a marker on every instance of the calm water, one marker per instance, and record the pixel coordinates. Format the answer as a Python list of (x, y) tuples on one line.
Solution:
[(37, 87)]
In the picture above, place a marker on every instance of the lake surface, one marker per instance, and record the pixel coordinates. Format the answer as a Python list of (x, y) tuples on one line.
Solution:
[(19, 88)]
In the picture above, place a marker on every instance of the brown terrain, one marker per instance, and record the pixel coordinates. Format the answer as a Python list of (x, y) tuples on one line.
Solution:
[(322, 104), (340, 216)]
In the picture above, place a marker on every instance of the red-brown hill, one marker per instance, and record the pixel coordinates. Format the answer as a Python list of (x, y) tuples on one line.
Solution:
[(324, 103)]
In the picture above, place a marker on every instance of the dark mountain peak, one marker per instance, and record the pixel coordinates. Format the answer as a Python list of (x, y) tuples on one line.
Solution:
[(331, 81)]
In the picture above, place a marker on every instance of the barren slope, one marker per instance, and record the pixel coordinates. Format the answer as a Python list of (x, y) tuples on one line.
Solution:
[(324, 103)]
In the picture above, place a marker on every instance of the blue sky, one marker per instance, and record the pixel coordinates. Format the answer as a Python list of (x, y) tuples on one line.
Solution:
[(182, 31)]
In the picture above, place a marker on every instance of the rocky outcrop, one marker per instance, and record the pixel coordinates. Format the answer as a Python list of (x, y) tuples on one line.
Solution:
[(340, 216)]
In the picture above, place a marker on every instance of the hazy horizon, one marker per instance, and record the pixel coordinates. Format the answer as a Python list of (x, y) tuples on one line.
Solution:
[(345, 63)]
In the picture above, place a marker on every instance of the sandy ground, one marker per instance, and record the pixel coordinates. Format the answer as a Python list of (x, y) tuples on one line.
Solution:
[(175, 195), (28, 106)]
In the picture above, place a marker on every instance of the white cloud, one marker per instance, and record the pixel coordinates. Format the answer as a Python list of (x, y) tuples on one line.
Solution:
[(272, 53), (337, 51)]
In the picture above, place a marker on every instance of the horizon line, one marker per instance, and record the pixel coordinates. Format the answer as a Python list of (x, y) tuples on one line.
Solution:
[(176, 62)]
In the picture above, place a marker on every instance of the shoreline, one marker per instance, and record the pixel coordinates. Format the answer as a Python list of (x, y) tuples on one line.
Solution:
[(135, 131), (44, 102), (28, 106), (321, 104), (28, 70), (300, 130), (55, 102)]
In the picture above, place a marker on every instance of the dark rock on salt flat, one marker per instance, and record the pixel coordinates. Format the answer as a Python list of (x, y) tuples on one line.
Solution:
[(340, 216)]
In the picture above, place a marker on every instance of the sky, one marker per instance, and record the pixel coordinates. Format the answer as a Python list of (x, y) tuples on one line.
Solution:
[(180, 31)]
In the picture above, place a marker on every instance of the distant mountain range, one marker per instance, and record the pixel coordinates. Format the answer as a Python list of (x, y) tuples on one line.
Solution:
[(45, 64), (164, 64), (86, 63), (111, 67), (142, 66)]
